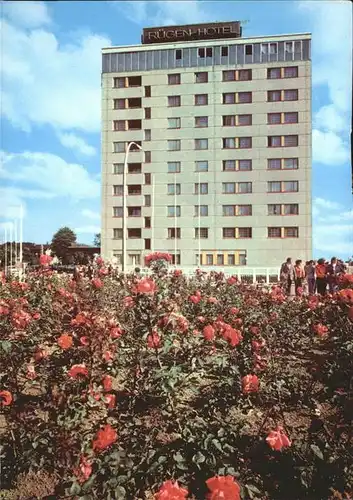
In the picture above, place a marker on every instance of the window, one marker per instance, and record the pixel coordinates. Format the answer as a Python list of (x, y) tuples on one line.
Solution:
[(119, 125), (118, 190), (245, 232), (274, 164), (229, 121), (174, 233), (288, 47), (134, 102), (274, 187), (229, 76), (245, 142), (229, 143), (134, 81), (244, 97), (147, 113), (229, 98), (201, 143), (290, 141), (134, 211), (274, 141), (174, 167), (229, 232), (119, 82), (173, 188), (274, 209), (209, 259), (290, 232), (290, 95), (244, 210), (135, 147), (134, 259), (134, 168), (174, 211), (201, 211), (201, 52), (174, 79), (119, 103), (118, 168), (291, 117), (147, 135), (273, 73), (290, 72), (117, 211), (244, 120), (117, 234), (201, 121), (148, 156), (201, 233), (290, 163), (274, 232), (147, 222), (245, 165), (224, 51), (273, 118), (134, 189), (119, 147), (248, 50), (134, 125), (174, 145), (291, 209), (174, 101), (148, 179), (174, 122), (178, 54), (274, 95), (244, 75), (201, 166), (201, 77), (244, 187), (220, 259), (176, 261), (147, 200), (148, 244), (228, 187), (148, 91), (134, 233), (209, 52), (229, 165), (273, 48), (290, 186), (201, 99), (201, 188), (229, 210), (231, 259)]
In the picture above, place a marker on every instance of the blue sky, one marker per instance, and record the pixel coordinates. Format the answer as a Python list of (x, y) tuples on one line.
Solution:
[(50, 103)]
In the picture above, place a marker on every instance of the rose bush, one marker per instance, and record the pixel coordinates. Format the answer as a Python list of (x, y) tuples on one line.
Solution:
[(173, 387)]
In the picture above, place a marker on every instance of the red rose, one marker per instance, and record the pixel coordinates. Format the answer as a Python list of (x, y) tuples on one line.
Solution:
[(171, 491), (223, 488), (128, 302), (105, 438), (146, 286), (5, 398), (116, 332), (154, 340), (78, 370), (350, 313), (111, 400), (208, 332), (97, 283), (84, 470), (65, 341), (107, 383), (277, 439), (234, 310), (250, 384), (321, 330), (232, 280)]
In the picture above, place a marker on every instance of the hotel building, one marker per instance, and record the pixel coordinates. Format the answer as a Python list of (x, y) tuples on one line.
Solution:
[(219, 174)]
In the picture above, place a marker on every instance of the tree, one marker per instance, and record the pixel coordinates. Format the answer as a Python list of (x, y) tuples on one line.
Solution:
[(97, 240), (62, 240)]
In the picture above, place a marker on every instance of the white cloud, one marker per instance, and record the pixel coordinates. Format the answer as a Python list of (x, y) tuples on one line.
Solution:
[(332, 56), (88, 230), (48, 83), (90, 214), (28, 14), (76, 143), (322, 203), (329, 148), (49, 174)]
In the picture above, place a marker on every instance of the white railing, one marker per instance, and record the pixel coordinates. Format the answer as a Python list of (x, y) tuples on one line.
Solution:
[(246, 274)]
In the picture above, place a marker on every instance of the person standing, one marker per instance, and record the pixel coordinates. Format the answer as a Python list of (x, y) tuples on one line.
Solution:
[(299, 276), (287, 275), (310, 276), (321, 277), (332, 272)]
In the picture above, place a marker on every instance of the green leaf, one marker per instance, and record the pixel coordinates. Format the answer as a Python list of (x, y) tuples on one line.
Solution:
[(198, 458), (162, 459), (178, 457), (217, 444), (75, 489), (6, 345), (317, 451), (89, 483), (120, 492)]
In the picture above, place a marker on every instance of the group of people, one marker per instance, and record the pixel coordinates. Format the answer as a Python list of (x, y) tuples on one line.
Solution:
[(315, 276)]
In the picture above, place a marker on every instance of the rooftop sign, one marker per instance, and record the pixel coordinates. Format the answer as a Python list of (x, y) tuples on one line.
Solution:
[(190, 32)]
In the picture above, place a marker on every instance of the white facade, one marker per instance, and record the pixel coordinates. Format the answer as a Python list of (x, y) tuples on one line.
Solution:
[(258, 239)]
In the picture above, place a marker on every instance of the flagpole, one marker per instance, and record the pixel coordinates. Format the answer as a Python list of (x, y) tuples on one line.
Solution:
[(175, 222), (21, 241), (199, 219), (152, 214), (5, 251), (15, 238), (11, 236)]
